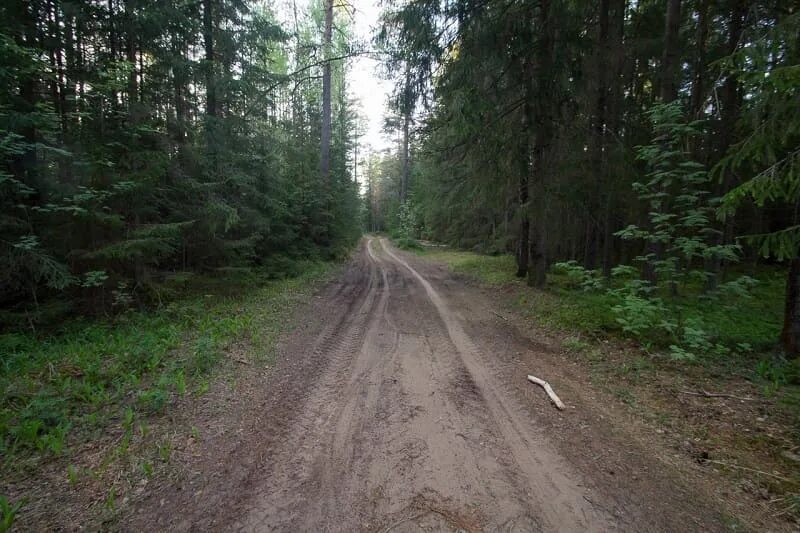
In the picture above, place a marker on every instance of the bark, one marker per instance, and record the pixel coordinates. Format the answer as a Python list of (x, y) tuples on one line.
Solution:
[(542, 137), (208, 43), (599, 149), (526, 77), (698, 83), (25, 165), (670, 60), (130, 54), (616, 53), (523, 237), (80, 65), (730, 98), (179, 88), (790, 336), (730, 104), (211, 81), (406, 126), (325, 152), (112, 45), (670, 65)]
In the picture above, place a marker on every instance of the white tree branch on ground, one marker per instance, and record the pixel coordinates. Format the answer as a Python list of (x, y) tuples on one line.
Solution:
[(548, 389)]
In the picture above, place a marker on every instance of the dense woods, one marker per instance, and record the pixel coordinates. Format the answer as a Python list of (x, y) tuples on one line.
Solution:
[(644, 147), (141, 139), (602, 196)]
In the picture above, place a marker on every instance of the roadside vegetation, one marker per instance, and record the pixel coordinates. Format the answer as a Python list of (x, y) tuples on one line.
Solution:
[(627, 174), (644, 149), (753, 423), (736, 333), (170, 187), (89, 379), (747, 325)]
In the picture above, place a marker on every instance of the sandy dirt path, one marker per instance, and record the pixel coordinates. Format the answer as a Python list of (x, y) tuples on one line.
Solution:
[(390, 410)]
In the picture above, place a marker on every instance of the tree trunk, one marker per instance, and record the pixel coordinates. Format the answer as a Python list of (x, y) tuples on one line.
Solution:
[(25, 164), (730, 103), (130, 56), (790, 336), (325, 152), (614, 102), (523, 193), (211, 84), (542, 136), (179, 89), (698, 83), (112, 46), (208, 43), (406, 127), (670, 63), (523, 237), (670, 60), (599, 150)]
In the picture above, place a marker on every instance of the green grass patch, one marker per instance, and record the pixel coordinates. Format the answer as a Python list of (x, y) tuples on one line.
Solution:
[(743, 324), (406, 243), (75, 383), (747, 327), (733, 320), (489, 269)]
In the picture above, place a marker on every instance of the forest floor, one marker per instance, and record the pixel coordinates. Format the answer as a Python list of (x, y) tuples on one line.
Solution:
[(398, 401)]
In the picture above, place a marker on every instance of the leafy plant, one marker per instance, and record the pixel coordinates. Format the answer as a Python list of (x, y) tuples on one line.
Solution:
[(575, 344), (180, 383), (681, 213), (111, 499), (165, 451), (94, 278), (9, 512), (587, 280), (72, 475)]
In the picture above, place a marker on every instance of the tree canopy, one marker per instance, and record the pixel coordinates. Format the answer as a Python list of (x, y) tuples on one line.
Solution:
[(142, 138), (542, 131)]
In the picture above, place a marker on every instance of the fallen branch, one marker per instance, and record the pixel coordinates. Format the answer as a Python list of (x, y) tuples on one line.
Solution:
[(501, 316), (705, 394), (548, 389), (723, 463)]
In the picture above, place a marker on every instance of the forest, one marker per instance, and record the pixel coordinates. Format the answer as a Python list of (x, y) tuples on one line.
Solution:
[(221, 289), (174, 176), (648, 150), (144, 138)]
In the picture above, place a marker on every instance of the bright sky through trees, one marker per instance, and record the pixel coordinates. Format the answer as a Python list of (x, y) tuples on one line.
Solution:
[(365, 83)]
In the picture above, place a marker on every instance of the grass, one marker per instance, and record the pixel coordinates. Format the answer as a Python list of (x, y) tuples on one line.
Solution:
[(642, 373), (488, 269), (742, 331), (74, 384), (755, 321)]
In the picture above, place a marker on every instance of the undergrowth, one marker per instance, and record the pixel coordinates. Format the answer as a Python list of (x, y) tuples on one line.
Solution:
[(584, 313), (71, 385), (749, 325)]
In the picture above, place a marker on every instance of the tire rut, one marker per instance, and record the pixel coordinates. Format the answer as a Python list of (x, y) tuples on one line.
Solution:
[(386, 416)]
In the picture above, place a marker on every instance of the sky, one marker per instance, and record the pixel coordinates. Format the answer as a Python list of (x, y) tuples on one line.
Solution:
[(365, 83)]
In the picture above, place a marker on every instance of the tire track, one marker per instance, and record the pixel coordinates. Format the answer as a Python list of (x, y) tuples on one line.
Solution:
[(558, 496), (384, 415)]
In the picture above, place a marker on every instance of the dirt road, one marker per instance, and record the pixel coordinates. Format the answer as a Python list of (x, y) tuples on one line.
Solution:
[(400, 404)]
